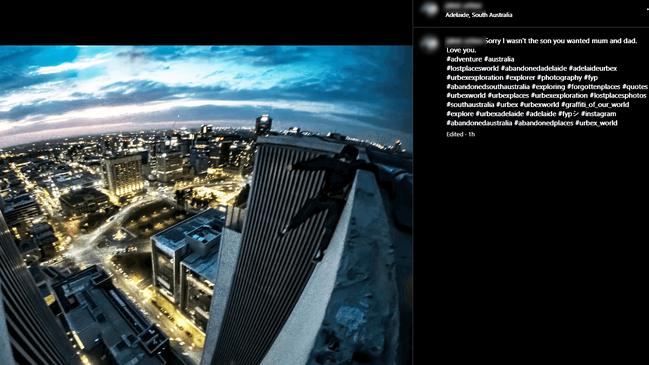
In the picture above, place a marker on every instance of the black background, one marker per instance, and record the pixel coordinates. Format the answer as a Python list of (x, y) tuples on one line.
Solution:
[(208, 23), (537, 253), (526, 244)]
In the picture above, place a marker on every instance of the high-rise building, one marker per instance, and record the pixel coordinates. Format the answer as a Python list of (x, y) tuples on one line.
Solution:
[(169, 166), (198, 274), (263, 124), (184, 263), (224, 153), (206, 130), (199, 159), (123, 175), (273, 304), (29, 332), (214, 156)]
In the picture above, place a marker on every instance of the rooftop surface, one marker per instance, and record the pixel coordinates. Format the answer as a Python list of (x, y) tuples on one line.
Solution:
[(206, 266), (204, 234), (315, 142), (39, 228), (309, 142), (82, 179), (98, 312), (18, 200), (79, 196), (126, 157), (173, 238)]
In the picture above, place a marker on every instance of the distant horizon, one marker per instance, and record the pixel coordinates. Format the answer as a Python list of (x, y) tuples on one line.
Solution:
[(57, 91), (406, 142)]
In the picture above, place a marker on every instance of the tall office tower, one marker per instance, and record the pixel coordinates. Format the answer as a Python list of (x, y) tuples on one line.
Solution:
[(272, 303), (214, 155), (206, 130), (169, 166), (263, 124), (184, 144), (123, 175), (29, 332), (199, 160), (397, 146), (224, 153)]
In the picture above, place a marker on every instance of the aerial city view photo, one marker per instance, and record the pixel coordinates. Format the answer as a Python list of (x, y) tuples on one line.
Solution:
[(206, 205)]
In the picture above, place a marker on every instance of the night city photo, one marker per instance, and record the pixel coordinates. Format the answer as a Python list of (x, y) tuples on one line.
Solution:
[(206, 205)]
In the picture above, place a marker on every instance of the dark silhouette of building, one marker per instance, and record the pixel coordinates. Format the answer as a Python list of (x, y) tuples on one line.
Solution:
[(336, 136), (86, 200), (199, 158), (20, 209), (206, 129), (42, 235), (397, 147), (29, 332), (263, 124), (224, 153)]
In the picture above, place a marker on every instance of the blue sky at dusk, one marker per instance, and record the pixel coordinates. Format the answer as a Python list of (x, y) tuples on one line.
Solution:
[(59, 91)]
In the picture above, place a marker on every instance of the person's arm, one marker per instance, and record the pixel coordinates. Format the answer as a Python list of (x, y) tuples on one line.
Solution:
[(315, 164)]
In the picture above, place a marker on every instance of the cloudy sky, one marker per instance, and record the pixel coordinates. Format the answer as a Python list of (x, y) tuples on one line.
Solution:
[(57, 91)]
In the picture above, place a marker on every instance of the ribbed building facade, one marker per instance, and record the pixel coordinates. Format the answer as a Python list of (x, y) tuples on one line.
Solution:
[(273, 305), (29, 333), (271, 272)]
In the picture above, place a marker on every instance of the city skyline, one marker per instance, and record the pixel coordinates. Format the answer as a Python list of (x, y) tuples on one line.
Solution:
[(134, 241), (64, 91)]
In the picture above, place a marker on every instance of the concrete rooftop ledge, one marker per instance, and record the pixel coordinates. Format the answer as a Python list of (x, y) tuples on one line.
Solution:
[(311, 142)]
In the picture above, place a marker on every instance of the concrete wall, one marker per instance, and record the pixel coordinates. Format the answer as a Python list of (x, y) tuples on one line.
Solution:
[(5, 345), (294, 343), (227, 261)]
